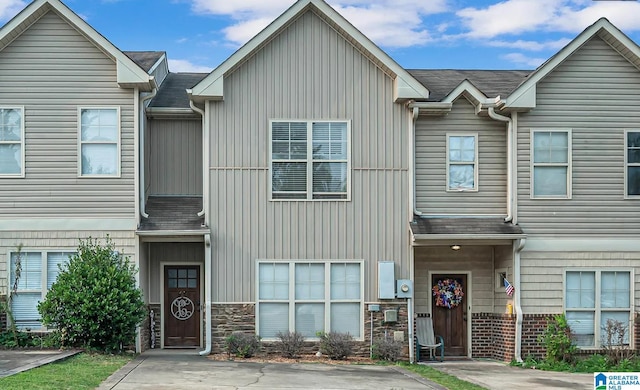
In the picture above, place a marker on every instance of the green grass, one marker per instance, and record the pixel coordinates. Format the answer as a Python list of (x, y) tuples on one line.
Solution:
[(83, 371), (446, 380)]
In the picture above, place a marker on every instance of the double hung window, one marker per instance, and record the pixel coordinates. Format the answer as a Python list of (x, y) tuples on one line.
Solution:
[(632, 159), (310, 160), (551, 164), (309, 297), (462, 162), (99, 141), (11, 142)]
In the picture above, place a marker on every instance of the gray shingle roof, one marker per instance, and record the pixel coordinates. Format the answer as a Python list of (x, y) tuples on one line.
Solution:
[(145, 59), (173, 213), (492, 83), (172, 93), (464, 226)]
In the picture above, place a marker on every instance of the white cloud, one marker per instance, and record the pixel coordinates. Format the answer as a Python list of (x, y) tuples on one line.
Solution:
[(390, 23), (186, 66), (9, 8), (520, 59), (554, 45)]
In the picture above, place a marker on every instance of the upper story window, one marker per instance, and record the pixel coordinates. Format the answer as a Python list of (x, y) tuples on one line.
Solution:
[(592, 297), (462, 162), (632, 159), (551, 164), (310, 160), (99, 142), (11, 142)]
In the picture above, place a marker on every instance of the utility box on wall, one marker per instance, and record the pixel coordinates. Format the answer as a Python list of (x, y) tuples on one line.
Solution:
[(405, 288), (386, 280)]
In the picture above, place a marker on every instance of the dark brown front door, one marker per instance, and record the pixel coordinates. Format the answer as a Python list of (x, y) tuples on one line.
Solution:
[(182, 306), (451, 324)]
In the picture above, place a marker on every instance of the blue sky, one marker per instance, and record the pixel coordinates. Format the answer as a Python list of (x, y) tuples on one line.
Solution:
[(447, 34)]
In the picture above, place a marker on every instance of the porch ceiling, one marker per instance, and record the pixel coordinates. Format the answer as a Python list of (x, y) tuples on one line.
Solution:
[(464, 229)]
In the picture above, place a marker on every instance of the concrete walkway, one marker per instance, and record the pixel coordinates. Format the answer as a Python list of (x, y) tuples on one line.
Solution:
[(15, 361), (173, 369), (500, 376)]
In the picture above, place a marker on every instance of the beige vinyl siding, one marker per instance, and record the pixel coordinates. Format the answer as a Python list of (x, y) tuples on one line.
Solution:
[(175, 150), (52, 70), (431, 164), (309, 72), (479, 260), (169, 252), (542, 275), (596, 94), (124, 241)]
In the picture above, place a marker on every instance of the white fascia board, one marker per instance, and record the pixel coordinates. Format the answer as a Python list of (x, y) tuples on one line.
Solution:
[(518, 99), (128, 72), (467, 89), (407, 87)]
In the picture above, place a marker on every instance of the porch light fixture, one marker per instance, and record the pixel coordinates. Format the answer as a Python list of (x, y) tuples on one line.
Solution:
[(455, 247)]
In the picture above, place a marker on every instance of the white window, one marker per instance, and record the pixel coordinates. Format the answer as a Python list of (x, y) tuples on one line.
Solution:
[(462, 162), (632, 160), (310, 160), (11, 142), (38, 272), (593, 297), (309, 297), (551, 164), (99, 141)]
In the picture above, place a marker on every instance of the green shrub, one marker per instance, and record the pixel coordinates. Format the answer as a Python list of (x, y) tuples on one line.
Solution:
[(558, 341), (94, 302), (242, 345), (290, 344), (338, 346), (387, 349)]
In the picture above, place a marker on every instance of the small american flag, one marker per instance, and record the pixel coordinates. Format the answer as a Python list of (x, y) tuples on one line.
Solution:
[(508, 287)]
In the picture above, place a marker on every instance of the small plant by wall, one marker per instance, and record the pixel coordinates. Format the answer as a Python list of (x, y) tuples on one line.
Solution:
[(290, 344), (338, 346), (557, 340), (387, 349), (242, 345)]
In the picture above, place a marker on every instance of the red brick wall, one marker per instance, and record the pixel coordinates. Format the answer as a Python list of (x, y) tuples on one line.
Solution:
[(533, 325), (493, 336), (636, 331)]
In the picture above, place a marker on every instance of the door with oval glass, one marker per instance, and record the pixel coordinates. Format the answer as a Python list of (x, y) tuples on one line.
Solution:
[(182, 306)]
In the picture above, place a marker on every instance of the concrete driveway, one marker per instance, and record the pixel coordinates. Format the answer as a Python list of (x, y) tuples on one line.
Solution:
[(171, 369)]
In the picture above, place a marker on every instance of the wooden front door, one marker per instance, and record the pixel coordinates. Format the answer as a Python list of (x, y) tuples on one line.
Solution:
[(182, 306), (451, 324)]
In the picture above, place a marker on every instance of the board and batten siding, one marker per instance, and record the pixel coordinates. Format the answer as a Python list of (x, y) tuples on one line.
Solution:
[(175, 150), (51, 70), (308, 71), (596, 94), (57, 241), (169, 252), (542, 276), (432, 197)]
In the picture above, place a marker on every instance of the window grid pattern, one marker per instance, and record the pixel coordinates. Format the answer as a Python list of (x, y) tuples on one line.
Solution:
[(310, 160), (551, 158), (319, 297), (99, 142), (632, 159), (462, 162), (592, 298), (11, 141)]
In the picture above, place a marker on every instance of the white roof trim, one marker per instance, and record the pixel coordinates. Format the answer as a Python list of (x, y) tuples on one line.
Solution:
[(521, 96), (128, 72), (212, 86), (469, 91)]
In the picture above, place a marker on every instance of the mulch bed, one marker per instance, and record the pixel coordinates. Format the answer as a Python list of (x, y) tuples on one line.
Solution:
[(273, 358)]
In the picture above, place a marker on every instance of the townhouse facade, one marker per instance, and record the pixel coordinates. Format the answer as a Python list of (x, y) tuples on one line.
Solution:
[(310, 183)]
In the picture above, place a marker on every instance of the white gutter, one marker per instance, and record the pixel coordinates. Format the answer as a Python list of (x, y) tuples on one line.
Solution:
[(510, 181), (412, 161), (519, 245), (205, 161), (142, 200), (410, 304), (207, 294)]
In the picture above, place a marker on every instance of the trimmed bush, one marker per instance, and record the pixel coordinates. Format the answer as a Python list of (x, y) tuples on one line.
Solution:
[(94, 302), (387, 349), (338, 346), (290, 344), (242, 345)]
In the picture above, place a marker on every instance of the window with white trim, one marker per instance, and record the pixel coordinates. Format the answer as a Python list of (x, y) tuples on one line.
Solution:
[(594, 296), (99, 141), (462, 162), (11, 141), (310, 160), (632, 161), (38, 272), (551, 164), (309, 297)]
